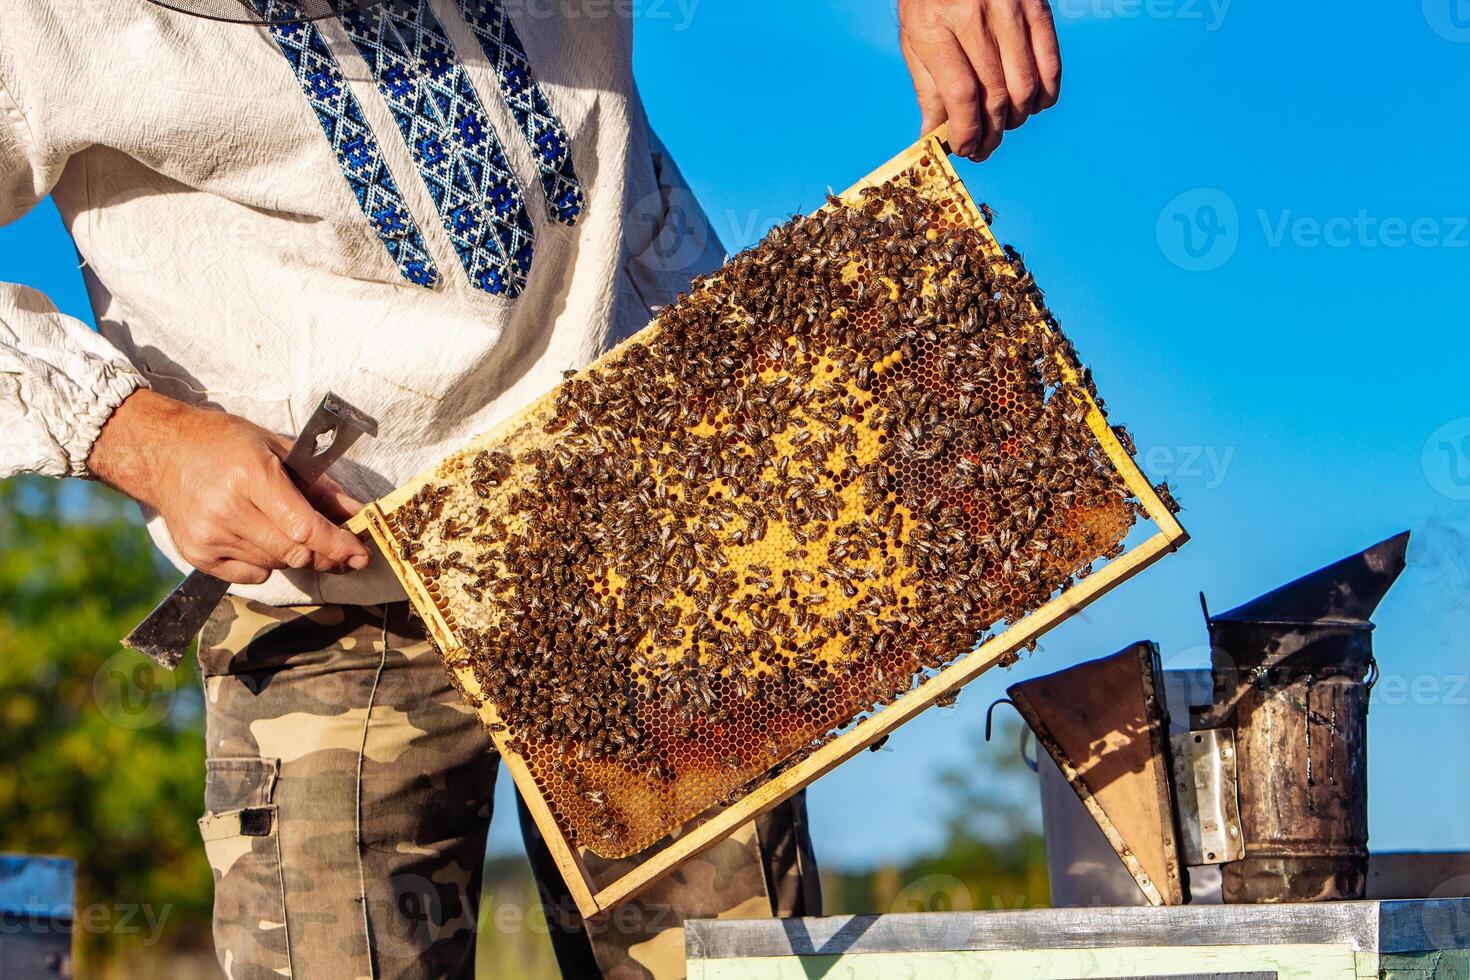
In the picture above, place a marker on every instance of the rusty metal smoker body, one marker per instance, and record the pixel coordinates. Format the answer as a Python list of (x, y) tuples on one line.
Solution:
[(1293, 671)]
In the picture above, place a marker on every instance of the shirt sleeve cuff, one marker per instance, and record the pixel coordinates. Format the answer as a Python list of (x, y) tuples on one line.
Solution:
[(114, 384)]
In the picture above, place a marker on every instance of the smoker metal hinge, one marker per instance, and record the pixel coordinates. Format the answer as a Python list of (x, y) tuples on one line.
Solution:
[(1204, 764)]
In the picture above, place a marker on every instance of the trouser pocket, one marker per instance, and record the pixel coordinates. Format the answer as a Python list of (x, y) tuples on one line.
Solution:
[(240, 829)]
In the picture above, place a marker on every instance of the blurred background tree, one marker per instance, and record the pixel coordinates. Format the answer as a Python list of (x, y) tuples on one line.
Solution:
[(993, 855), (101, 752)]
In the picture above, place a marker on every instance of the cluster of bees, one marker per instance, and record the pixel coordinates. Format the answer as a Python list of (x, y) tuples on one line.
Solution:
[(822, 475)]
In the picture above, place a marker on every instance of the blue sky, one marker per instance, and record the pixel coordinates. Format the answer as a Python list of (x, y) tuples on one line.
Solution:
[(1291, 366), (1289, 393)]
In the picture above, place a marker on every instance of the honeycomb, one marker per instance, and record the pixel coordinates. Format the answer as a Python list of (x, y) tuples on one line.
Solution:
[(831, 469)]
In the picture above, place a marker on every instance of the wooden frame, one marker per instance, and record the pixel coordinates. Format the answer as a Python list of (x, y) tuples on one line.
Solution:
[(594, 899)]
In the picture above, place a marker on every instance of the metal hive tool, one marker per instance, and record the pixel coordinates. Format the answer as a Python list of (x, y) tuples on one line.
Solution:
[(767, 529)]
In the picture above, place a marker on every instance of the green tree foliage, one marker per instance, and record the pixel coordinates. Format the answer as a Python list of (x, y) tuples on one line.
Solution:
[(993, 856), (101, 752), (993, 821)]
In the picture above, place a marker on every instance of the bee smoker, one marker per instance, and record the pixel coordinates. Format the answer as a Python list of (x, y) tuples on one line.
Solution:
[(1292, 674)]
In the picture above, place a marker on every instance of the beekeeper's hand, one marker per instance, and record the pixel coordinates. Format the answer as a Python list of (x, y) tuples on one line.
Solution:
[(218, 482), (983, 65)]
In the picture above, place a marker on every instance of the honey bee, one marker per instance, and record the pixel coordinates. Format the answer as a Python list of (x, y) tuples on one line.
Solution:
[(1167, 496)]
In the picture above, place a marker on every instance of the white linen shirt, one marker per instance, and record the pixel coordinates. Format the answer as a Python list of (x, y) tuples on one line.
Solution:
[(258, 210)]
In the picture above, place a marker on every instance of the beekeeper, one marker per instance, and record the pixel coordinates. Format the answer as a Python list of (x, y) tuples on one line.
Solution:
[(432, 208)]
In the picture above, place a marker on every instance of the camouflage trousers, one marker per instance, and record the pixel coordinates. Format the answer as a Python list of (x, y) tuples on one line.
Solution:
[(347, 801)]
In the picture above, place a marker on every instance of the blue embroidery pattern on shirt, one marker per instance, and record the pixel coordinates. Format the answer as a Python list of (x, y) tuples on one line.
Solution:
[(533, 114), (355, 146), (456, 151)]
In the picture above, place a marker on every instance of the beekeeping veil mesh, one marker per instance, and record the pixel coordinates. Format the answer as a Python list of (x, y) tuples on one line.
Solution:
[(266, 11)]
